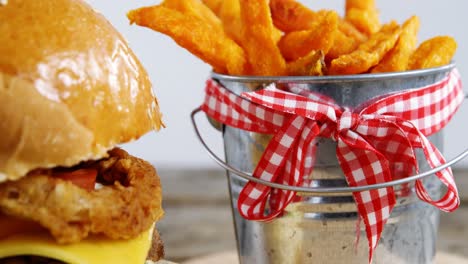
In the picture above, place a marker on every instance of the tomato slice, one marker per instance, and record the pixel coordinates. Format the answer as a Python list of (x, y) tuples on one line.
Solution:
[(84, 178), (11, 226)]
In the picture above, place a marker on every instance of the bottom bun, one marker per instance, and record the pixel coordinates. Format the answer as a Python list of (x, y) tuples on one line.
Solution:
[(94, 250)]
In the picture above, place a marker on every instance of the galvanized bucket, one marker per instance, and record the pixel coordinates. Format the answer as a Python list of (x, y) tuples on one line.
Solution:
[(321, 228)]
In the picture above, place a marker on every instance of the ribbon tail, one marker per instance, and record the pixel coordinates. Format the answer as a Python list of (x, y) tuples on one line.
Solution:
[(254, 196), (363, 165), (298, 166), (451, 200)]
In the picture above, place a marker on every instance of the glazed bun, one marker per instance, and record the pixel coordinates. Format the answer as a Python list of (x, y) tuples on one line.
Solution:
[(70, 87)]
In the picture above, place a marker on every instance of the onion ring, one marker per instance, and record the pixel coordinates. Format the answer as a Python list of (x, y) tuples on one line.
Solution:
[(128, 203)]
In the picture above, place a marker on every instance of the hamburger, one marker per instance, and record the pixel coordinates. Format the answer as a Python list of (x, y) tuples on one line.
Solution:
[(71, 90)]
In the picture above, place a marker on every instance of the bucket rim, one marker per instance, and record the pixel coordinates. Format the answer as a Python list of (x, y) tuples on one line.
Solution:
[(333, 78)]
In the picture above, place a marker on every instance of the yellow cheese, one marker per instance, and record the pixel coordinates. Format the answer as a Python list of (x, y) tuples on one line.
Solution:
[(90, 251)]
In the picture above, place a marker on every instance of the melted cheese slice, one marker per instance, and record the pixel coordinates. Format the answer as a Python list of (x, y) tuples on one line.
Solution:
[(90, 251)]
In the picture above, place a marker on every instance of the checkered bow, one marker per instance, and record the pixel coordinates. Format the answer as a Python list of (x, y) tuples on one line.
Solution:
[(375, 143)]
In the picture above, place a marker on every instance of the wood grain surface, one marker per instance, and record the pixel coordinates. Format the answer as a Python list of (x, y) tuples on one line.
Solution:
[(231, 258), (198, 219)]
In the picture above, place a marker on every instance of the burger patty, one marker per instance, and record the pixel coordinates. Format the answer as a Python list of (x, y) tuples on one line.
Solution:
[(128, 203)]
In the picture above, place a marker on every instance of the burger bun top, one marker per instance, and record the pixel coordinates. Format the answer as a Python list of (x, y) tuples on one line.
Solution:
[(70, 87)]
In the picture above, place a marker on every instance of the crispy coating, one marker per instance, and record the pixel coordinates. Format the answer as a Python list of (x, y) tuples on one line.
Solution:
[(230, 16), (214, 5), (290, 15), (365, 20), (397, 59), (360, 4), (196, 9), (351, 31), (259, 39), (313, 64), (295, 20), (363, 15), (434, 52), (204, 40), (346, 46), (128, 203), (369, 54), (321, 36), (230, 13)]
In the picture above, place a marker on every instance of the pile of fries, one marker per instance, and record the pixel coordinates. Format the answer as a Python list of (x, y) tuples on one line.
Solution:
[(283, 37)]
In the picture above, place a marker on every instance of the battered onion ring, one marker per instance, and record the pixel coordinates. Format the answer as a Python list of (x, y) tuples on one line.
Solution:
[(128, 204)]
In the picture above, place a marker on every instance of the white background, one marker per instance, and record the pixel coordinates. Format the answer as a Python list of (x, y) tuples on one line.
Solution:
[(178, 77)]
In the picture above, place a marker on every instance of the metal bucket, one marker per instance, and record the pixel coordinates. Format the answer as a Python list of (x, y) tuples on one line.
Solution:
[(321, 228)]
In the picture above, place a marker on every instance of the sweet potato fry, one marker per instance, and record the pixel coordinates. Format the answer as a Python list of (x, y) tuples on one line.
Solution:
[(284, 37), (230, 16), (360, 4), (258, 40), (342, 45), (347, 40), (313, 64), (351, 31), (434, 52), (369, 54), (277, 34), (397, 59), (195, 35), (290, 15), (363, 15), (195, 8), (367, 21), (320, 36), (214, 5), (385, 32)]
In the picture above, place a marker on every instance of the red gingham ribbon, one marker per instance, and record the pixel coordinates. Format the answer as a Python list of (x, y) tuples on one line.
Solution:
[(375, 143)]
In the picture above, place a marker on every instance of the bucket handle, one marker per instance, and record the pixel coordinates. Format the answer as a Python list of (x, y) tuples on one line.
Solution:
[(317, 190)]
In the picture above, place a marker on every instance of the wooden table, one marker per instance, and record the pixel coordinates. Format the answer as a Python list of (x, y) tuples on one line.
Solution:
[(231, 258)]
